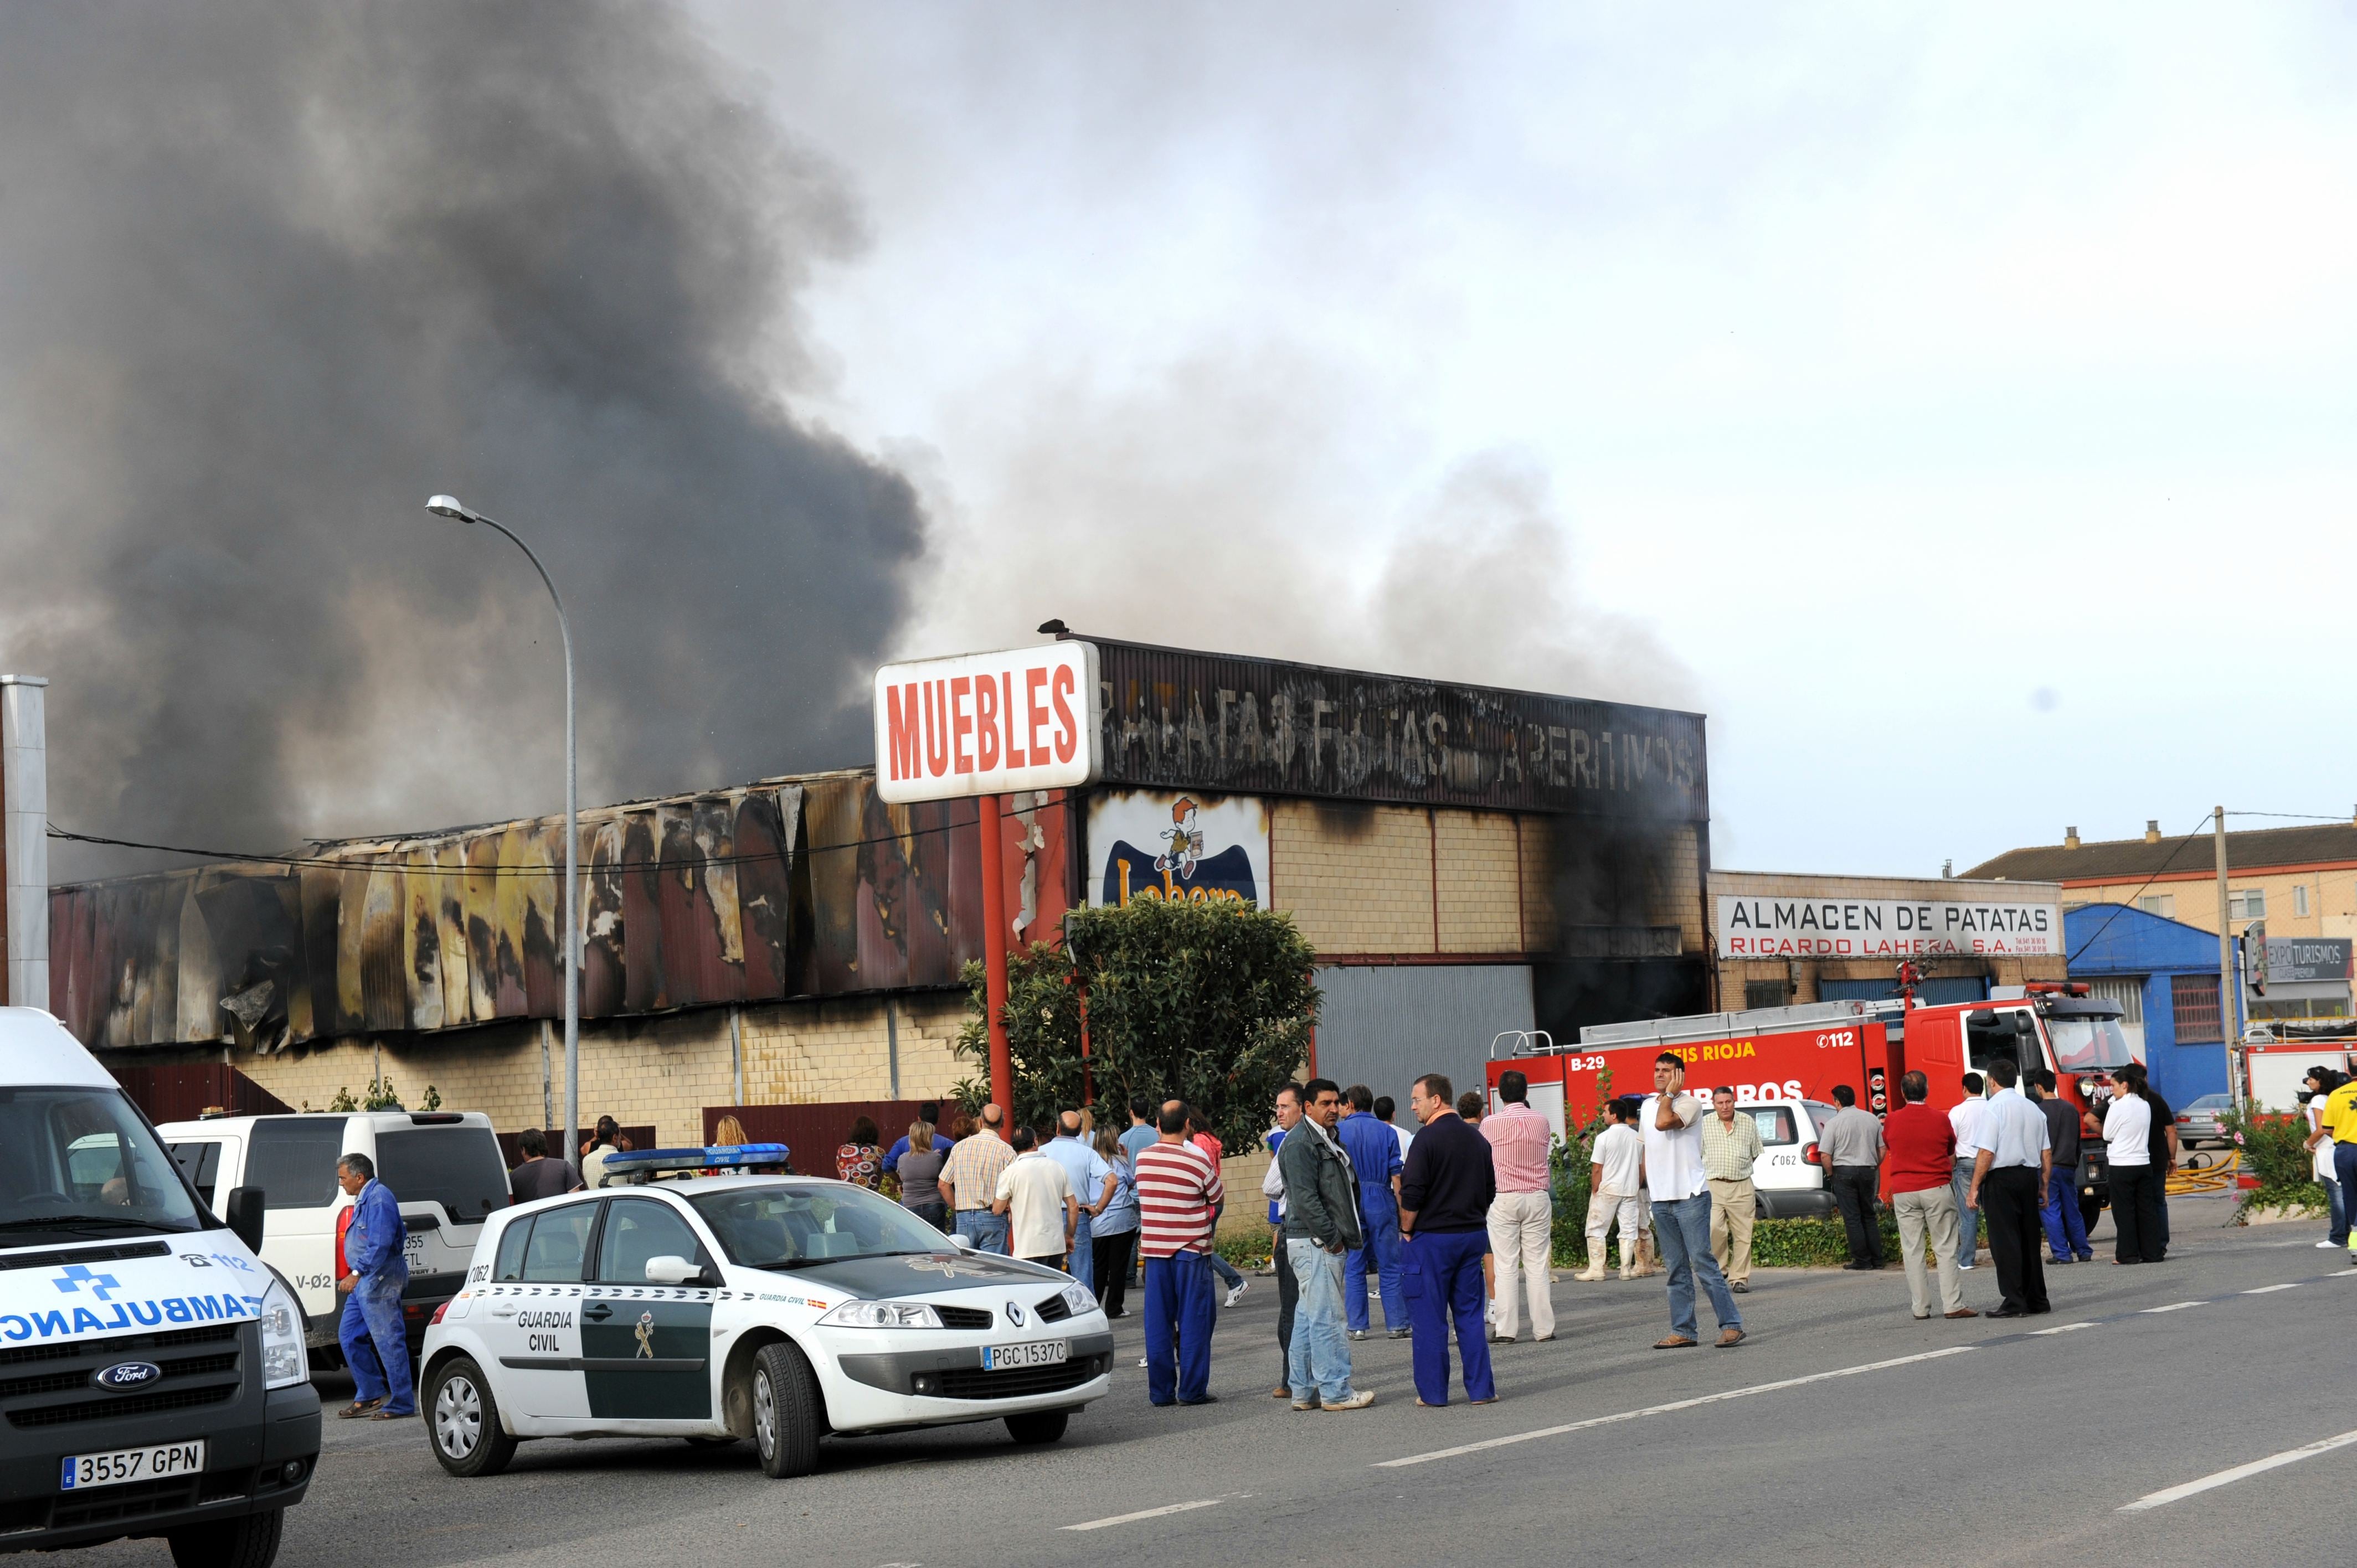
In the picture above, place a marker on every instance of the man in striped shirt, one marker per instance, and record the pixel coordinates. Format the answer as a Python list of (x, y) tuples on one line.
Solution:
[(1178, 1195)]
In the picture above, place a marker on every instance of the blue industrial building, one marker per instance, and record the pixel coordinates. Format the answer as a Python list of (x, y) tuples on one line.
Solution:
[(2164, 974)]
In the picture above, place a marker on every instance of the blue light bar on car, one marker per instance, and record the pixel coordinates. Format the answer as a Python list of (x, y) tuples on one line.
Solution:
[(724, 1157)]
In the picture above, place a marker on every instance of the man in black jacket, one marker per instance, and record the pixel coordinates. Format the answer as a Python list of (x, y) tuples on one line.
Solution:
[(1446, 1189)]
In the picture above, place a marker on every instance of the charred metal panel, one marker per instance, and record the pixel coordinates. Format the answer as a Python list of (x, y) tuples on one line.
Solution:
[(421, 938), (603, 964), (675, 904), (720, 920), (541, 875), (641, 912), (764, 887), (687, 901), (832, 818), (1178, 719)]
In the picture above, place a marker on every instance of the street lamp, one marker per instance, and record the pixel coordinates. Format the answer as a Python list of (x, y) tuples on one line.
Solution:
[(450, 507)]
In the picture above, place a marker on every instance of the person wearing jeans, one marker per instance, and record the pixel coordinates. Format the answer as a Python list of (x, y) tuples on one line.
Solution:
[(1670, 1120), (1321, 1223), (2066, 1227), (1965, 1120), (968, 1184)]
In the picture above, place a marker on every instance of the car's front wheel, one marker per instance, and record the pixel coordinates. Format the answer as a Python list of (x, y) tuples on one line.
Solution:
[(785, 1411), (1039, 1426), (248, 1542), (463, 1421)]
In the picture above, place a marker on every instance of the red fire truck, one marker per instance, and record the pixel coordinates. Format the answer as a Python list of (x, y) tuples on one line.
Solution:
[(1800, 1053)]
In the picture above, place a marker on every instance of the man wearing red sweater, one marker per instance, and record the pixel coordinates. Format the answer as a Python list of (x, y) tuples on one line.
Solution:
[(1918, 1174)]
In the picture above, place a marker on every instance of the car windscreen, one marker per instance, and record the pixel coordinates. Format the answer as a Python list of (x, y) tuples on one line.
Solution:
[(292, 1160), (79, 1162), (2088, 1044), (768, 1226), (456, 1167)]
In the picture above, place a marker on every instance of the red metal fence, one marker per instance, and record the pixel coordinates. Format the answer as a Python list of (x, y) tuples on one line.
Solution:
[(185, 1093), (814, 1131), (510, 1143)]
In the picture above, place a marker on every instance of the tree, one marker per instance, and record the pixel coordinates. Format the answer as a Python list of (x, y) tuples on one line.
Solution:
[(1212, 1004)]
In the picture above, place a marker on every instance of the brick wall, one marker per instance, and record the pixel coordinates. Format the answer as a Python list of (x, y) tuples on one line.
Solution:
[(1480, 884), (1356, 878), (662, 1070)]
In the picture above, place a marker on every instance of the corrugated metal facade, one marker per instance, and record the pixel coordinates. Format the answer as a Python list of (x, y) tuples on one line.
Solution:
[(783, 888)]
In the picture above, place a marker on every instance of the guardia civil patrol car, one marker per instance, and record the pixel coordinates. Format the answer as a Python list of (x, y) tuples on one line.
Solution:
[(714, 1309)]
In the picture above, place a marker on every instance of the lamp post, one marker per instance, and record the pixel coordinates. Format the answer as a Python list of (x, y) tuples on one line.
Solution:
[(450, 507)]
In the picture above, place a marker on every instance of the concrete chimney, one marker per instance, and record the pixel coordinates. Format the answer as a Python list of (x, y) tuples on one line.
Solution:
[(23, 843), (2152, 830), (2070, 838)]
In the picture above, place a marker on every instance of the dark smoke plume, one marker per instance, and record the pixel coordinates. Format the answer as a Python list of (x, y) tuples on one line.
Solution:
[(270, 275)]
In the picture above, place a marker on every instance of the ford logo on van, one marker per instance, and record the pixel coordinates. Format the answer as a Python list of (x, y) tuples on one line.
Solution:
[(127, 1374)]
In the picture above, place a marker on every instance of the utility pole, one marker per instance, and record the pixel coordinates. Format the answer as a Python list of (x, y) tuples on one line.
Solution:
[(2227, 1011)]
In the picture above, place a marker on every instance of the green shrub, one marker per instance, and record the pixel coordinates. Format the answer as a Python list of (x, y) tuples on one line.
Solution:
[(1212, 1004), (2274, 1148)]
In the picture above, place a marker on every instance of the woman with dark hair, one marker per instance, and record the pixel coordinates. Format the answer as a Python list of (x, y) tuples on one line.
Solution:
[(860, 1160), (2162, 1143), (2136, 1181)]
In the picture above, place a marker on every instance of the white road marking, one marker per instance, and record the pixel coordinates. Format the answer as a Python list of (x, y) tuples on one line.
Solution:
[(2059, 1328), (1145, 1513), (2262, 1290), (1673, 1406), (2240, 1472), (2172, 1306)]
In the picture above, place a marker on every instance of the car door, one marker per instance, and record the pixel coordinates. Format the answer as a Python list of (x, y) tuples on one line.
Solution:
[(646, 1348), (533, 1301), (292, 1160)]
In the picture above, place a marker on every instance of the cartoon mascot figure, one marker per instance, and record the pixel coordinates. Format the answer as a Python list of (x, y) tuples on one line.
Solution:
[(1184, 842)]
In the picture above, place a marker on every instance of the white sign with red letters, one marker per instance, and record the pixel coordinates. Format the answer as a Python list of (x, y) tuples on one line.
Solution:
[(989, 723)]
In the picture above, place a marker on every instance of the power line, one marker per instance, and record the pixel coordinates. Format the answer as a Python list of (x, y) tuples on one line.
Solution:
[(374, 867), (2164, 865)]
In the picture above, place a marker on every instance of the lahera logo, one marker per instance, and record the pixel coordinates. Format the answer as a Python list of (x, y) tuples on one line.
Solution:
[(127, 1374)]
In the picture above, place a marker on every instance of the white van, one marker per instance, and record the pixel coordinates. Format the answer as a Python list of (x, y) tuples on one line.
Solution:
[(444, 1166), (1789, 1174), (151, 1369)]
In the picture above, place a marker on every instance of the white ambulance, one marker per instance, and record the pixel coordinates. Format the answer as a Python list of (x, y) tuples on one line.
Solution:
[(151, 1366)]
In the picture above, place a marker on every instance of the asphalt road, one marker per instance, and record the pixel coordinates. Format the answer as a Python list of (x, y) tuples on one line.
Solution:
[(1843, 1433)]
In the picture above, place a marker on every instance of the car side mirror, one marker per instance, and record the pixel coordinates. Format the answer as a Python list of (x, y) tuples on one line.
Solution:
[(673, 1270), (962, 1244), (241, 1211)]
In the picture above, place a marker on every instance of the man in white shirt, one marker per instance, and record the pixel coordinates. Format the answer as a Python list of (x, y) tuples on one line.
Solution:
[(1670, 1120), (1036, 1197), (1616, 1170), (1964, 1116), (2009, 1176)]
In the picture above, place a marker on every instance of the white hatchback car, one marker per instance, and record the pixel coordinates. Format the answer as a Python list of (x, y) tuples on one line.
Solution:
[(777, 1308)]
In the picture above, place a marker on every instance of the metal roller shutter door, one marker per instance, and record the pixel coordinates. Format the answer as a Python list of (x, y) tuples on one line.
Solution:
[(1384, 1026)]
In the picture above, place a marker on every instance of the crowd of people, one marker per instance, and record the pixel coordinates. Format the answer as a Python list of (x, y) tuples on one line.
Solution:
[(1448, 1226)]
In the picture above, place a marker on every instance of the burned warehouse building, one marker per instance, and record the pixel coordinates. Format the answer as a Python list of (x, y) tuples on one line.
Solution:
[(1467, 862)]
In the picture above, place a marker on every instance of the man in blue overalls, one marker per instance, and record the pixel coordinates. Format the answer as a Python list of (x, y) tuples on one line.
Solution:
[(375, 1342), (1373, 1148)]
